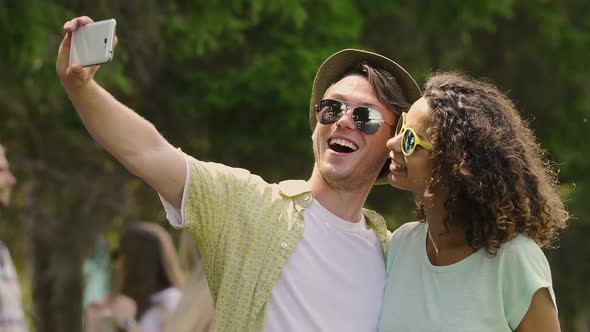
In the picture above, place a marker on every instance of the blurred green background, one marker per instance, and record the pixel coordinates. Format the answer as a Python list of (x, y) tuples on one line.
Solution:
[(230, 81)]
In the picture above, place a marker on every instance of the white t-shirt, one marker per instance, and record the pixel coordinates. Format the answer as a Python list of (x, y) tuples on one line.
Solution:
[(333, 280), (163, 304), (479, 293)]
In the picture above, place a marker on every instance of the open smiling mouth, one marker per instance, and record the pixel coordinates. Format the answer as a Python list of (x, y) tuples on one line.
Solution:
[(342, 146)]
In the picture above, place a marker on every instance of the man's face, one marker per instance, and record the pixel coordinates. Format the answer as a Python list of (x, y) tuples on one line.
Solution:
[(7, 180), (346, 157)]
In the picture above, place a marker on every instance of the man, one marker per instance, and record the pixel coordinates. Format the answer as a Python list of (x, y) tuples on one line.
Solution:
[(265, 269), (11, 311)]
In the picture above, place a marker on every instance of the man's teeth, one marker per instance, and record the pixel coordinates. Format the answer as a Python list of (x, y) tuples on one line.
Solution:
[(345, 143)]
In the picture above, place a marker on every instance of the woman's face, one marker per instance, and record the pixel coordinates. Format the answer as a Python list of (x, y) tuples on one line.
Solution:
[(413, 171)]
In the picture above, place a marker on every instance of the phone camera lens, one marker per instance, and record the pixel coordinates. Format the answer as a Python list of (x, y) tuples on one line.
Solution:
[(105, 40)]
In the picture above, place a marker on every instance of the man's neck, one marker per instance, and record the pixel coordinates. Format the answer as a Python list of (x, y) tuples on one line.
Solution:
[(344, 203)]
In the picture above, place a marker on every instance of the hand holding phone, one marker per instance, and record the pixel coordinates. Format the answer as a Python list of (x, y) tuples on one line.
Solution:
[(92, 44), (74, 76)]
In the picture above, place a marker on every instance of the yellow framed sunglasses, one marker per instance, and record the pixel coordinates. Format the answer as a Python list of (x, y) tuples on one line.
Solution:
[(409, 139)]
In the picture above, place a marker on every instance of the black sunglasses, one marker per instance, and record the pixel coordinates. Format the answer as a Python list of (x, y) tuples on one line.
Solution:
[(367, 120)]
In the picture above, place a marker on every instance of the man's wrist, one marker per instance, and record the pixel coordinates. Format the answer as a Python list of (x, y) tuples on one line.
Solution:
[(78, 89)]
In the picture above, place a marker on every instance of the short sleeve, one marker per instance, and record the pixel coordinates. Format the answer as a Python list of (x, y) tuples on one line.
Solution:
[(172, 213), (211, 199), (524, 270)]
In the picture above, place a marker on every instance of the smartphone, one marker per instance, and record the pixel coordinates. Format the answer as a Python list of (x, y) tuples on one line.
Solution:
[(93, 43)]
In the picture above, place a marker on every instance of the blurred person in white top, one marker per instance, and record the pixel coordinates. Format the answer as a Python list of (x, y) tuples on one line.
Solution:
[(148, 283), (11, 310)]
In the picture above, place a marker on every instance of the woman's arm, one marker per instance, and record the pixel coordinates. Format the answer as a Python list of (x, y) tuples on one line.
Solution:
[(541, 315)]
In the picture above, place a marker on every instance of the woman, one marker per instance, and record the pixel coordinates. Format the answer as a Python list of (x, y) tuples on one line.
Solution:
[(487, 201), (149, 279)]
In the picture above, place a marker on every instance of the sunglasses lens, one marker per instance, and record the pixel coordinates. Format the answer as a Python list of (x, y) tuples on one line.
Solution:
[(408, 142), (367, 120), (329, 111)]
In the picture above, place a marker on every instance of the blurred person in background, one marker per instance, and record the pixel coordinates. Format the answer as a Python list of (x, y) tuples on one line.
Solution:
[(488, 203), (195, 310), (96, 271), (12, 317), (290, 256), (147, 280)]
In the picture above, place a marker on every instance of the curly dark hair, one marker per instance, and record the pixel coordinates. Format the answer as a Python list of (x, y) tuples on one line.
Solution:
[(498, 180)]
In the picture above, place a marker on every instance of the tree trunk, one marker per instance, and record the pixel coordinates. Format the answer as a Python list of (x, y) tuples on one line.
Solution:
[(56, 265)]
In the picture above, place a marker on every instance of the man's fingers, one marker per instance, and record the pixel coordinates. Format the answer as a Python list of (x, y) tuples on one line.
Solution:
[(73, 25), (66, 42), (77, 70), (73, 75), (115, 42), (82, 20), (63, 55)]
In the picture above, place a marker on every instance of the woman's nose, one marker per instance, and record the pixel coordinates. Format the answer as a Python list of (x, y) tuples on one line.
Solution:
[(394, 144)]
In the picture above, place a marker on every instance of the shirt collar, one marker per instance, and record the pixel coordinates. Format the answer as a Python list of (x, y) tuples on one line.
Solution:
[(291, 188)]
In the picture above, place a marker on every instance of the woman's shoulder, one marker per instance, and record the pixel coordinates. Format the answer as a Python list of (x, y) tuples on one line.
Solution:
[(523, 269), (168, 297), (520, 246), (522, 255), (406, 234), (409, 229)]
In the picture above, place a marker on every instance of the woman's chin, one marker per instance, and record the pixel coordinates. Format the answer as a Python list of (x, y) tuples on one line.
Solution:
[(397, 183)]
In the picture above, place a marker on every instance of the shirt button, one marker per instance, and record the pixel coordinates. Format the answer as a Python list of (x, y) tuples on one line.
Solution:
[(306, 197), (284, 245)]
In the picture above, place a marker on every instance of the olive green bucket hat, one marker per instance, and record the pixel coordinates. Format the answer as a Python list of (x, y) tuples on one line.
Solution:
[(342, 61), (334, 68)]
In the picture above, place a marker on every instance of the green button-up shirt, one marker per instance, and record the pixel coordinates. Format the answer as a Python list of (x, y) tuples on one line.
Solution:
[(246, 229)]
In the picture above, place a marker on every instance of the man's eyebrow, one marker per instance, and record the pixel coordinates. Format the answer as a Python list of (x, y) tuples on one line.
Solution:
[(345, 99)]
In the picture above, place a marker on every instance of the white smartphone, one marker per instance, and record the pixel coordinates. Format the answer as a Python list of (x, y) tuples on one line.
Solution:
[(92, 44)]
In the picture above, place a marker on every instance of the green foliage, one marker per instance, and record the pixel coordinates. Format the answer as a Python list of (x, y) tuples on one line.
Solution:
[(229, 81)]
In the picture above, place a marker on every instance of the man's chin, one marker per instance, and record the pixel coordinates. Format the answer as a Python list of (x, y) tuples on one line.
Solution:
[(342, 180), (335, 172)]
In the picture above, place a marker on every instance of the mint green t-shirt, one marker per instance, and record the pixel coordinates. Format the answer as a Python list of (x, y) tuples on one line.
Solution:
[(479, 293)]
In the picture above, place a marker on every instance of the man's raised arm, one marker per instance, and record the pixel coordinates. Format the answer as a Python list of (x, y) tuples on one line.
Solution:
[(131, 139)]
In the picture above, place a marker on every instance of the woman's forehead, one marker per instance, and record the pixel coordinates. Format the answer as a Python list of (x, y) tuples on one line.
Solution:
[(419, 116)]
